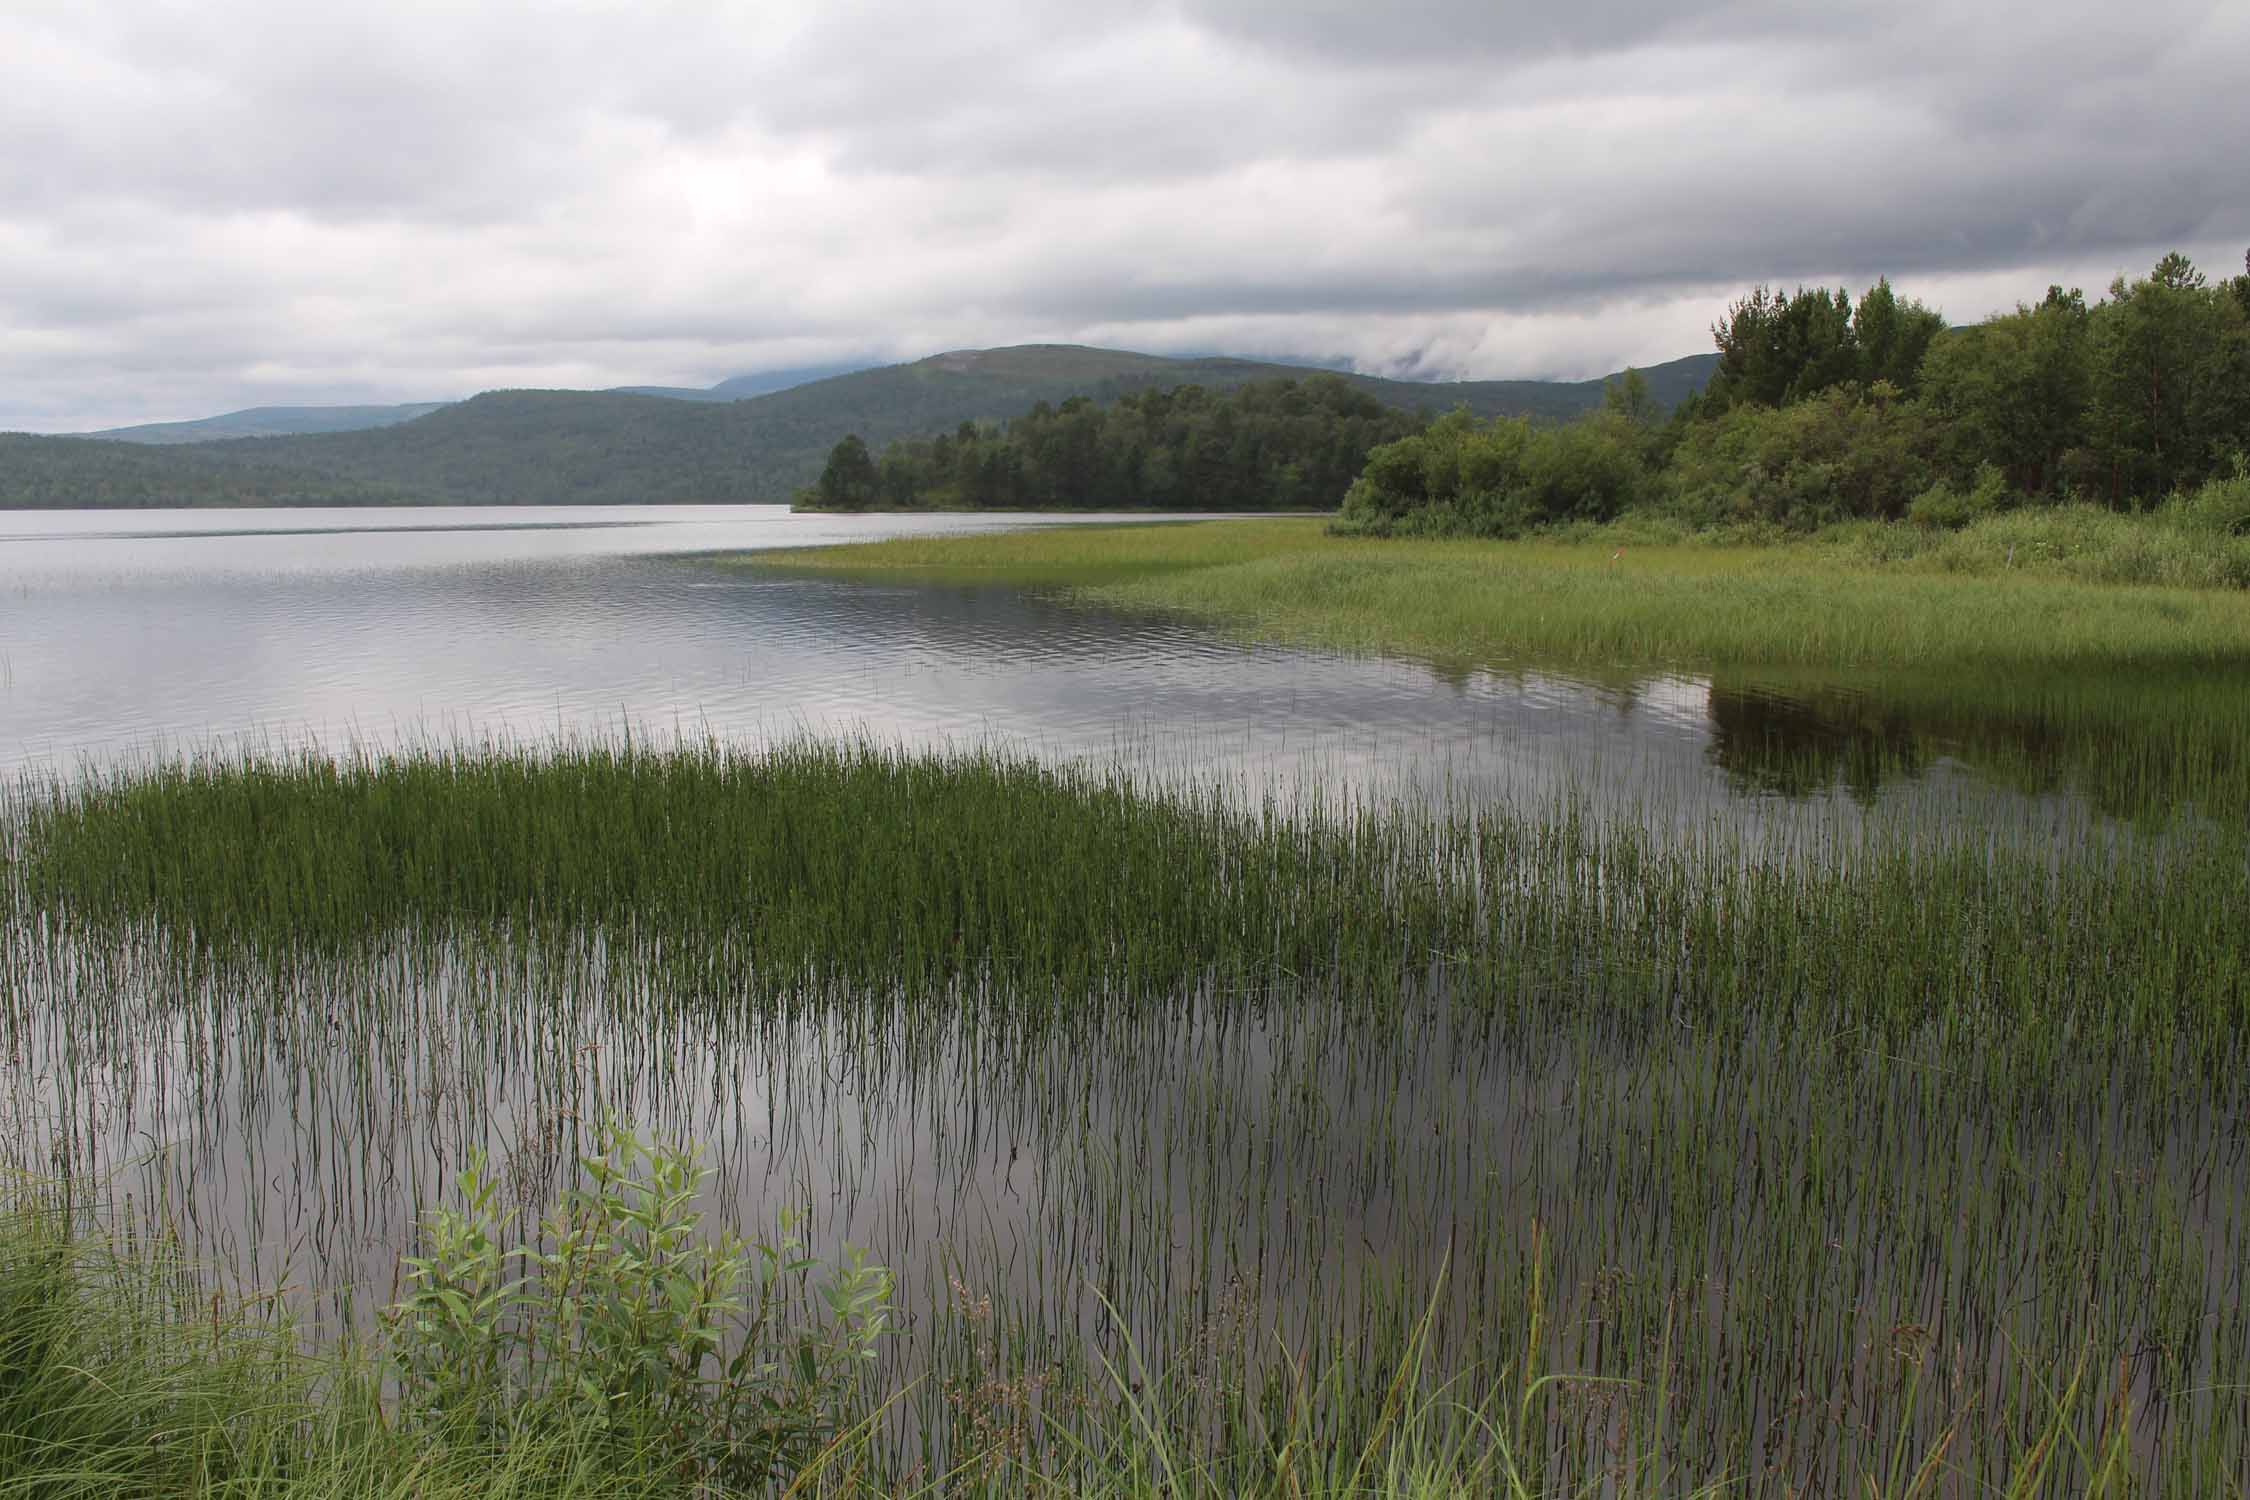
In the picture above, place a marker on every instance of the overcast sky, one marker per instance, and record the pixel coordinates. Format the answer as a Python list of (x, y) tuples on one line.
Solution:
[(211, 204)]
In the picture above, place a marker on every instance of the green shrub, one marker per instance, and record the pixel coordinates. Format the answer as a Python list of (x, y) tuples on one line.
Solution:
[(620, 1325), (1502, 479), (1941, 507), (1839, 456), (2217, 507)]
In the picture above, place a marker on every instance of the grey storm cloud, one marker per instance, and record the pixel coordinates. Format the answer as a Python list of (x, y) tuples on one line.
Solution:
[(235, 202)]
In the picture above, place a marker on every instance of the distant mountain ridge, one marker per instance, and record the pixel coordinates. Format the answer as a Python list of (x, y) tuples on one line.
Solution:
[(743, 387), (626, 447), (300, 421), (268, 421)]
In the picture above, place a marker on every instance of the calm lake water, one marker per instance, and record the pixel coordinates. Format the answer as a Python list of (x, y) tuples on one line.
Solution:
[(127, 634)]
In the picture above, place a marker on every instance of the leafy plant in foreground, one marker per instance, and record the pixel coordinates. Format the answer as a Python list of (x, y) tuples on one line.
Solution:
[(619, 1317)]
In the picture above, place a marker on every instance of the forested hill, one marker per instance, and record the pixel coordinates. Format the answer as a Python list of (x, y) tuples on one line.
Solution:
[(576, 447)]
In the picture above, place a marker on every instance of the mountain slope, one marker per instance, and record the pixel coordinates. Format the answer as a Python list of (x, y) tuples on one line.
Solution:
[(743, 387), (584, 447), (740, 387)]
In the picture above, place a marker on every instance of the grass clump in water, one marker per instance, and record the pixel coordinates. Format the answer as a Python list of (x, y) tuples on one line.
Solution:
[(904, 875), (837, 862)]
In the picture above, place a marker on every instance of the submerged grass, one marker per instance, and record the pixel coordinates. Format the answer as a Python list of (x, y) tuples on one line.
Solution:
[(1602, 600), (1345, 1152)]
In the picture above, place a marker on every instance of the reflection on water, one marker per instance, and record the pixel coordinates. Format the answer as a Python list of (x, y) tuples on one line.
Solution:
[(121, 643), (1802, 745)]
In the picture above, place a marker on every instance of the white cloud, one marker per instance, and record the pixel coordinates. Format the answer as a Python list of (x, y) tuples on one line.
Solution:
[(237, 202)]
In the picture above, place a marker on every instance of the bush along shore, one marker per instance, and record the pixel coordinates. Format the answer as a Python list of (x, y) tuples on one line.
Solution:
[(1192, 1148), (1822, 412)]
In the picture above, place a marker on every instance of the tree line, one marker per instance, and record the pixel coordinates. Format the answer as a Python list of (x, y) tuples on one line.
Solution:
[(1822, 410), (1282, 444)]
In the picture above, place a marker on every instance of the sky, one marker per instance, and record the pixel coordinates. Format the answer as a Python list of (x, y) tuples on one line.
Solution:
[(216, 204)]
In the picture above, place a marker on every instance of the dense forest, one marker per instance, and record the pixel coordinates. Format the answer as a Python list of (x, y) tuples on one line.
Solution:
[(1270, 445), (51, 473), (1823, 411)]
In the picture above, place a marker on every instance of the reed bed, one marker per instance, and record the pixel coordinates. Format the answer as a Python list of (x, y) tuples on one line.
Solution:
[(1217, 1149)]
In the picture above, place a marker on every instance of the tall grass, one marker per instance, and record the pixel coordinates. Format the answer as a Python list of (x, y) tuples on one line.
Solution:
[(115, 1380), (2187, 543)]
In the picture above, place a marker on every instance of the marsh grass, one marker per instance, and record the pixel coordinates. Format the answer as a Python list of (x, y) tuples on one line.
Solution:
[(1241, 1151), (1628, 598)]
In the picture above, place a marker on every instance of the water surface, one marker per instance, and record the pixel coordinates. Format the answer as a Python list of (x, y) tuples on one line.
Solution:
[(127, 634)]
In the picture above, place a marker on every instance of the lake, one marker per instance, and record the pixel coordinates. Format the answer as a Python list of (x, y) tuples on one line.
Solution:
[(127, 635)]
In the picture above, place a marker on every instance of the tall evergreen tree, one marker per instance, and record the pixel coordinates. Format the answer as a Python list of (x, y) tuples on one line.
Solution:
[(1892, 336), (848, 482)]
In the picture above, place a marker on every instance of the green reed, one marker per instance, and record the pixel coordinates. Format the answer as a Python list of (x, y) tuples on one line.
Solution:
[(888, 870), (1228, 1149)]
